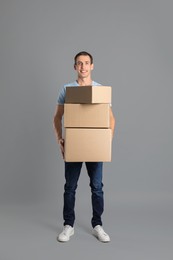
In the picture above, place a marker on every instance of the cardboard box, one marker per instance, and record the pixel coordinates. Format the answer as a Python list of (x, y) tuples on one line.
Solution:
[(88, 94), (87, 115), (88, 145)]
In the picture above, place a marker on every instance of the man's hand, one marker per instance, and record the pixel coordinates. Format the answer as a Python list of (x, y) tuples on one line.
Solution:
[(61, 143)]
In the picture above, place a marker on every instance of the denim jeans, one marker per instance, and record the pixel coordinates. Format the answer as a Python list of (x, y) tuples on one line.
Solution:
[(72, 173)]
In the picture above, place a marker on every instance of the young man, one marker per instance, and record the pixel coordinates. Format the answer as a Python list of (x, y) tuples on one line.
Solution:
[(83, 64)]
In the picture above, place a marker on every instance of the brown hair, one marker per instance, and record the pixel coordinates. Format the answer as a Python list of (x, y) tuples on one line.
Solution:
[(85, 54)]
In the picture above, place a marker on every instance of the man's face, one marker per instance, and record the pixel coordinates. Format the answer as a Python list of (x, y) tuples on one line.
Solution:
[(83, 66)]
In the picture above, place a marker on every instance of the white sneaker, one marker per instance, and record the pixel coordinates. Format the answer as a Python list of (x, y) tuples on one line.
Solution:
[(65, 235), (100, 234)]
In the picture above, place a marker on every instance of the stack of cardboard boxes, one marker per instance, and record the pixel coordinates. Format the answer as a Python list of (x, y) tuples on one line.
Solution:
[(88, 136)]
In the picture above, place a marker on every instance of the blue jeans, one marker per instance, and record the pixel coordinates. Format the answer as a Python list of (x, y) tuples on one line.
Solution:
[(72, 173)]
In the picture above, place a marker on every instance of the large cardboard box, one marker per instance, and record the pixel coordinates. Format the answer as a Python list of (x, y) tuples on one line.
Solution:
[(87, 115), (87, 145), (88, 94)]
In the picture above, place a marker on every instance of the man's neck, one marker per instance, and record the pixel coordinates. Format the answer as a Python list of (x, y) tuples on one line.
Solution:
[(84, 82)]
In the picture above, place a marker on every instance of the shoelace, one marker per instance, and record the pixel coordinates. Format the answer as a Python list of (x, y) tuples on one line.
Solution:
[(102, 231), (66, 230)]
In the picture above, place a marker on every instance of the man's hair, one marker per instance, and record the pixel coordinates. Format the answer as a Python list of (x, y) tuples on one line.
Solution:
[(85, 54)]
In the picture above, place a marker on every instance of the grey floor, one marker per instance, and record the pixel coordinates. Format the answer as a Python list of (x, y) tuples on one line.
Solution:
[(139, 230)]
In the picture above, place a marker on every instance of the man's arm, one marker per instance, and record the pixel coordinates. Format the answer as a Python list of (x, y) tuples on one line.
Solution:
[(58, 126), (112, 122)]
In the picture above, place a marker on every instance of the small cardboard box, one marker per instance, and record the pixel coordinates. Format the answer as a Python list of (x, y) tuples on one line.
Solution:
[(88, 145), (87, 115), (88, 94)]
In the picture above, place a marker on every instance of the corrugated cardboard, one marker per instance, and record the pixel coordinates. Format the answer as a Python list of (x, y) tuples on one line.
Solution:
[(88, 94), (87, 145), (87, 115)]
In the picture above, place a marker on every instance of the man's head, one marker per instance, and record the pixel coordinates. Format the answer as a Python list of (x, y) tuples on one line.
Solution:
[(83, 64)]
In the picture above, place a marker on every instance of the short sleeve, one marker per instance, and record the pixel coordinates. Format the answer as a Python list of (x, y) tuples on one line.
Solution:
[(61, 97)]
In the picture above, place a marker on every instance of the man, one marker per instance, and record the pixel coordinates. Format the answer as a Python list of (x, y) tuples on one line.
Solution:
[(83, 64)]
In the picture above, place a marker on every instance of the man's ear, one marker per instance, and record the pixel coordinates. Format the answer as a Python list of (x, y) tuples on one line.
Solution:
[(75, 66), (92, 66)]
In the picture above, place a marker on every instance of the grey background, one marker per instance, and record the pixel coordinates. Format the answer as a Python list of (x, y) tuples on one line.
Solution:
[(131, 42)]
